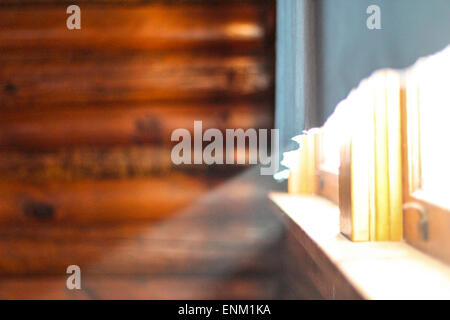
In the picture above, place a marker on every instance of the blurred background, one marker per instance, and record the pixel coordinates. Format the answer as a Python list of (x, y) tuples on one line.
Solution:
[(85, 171), (86, 176)]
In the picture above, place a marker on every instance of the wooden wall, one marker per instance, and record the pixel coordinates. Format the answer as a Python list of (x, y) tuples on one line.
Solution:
[(79, 107), (86, 117)]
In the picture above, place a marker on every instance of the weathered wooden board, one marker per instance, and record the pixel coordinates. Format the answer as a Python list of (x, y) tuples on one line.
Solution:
[(155, 27), (224, 246), (36, 80), (136, 161), (139, 288), (133, 256), (85, 171), (107, 126), (94, 201)]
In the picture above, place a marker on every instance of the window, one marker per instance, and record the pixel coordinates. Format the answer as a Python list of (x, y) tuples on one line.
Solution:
[(385, 144), (359, 160), (425, 114), (370, 178)]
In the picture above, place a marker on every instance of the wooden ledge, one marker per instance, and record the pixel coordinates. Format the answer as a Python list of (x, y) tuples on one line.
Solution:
[(368, 270)]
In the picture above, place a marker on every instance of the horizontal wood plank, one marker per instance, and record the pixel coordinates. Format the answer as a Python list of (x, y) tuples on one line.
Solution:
[(38, 80), (135, 161), (222, 234), (93, 201), (109, 126), (139, 288), (149, 27), (132, 256), (9, 3)]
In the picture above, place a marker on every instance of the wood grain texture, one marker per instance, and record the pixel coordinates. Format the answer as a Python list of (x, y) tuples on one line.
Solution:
[(109, 126), (84, 163), (85, 169), (134, 161), (329, 282), (142, 288), (32, 80), (94, 201), (225, 245), (149, 27), (130, 257), (154, 27), (297, 264)]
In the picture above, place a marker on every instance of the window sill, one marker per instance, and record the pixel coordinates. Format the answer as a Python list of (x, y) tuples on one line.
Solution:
[(373, 270)]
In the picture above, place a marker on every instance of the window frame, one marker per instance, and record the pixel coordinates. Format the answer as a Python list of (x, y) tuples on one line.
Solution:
[(327, 182), (423, 221), (302, 176), (426, 222)]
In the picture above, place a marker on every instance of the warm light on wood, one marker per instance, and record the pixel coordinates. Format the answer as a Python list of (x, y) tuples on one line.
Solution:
[(370, 181), (361, 145), (302, 176)]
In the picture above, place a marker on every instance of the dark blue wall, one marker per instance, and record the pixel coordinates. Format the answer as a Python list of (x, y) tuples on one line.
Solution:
[(348, 51)]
